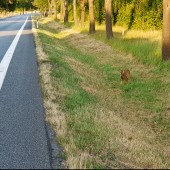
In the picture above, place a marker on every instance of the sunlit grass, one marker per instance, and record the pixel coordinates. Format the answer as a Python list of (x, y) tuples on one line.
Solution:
[(145, 46)]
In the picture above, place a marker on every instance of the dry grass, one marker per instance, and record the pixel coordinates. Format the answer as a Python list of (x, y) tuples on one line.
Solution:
[(133, 140)]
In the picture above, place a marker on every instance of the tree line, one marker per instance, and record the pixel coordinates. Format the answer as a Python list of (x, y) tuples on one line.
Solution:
[(12, 5), (143, 14)]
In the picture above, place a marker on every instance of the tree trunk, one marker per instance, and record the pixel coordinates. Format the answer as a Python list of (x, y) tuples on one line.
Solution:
[(108, 6), (62, 11), (50, 7), (75, 12), (66, 11), (166, 30), (82, 7), (91, 15), (55, 8)]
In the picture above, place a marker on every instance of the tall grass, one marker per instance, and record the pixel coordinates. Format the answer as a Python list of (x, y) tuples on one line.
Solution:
[(145, 46)]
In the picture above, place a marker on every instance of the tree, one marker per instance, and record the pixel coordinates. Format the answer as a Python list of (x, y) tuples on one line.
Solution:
[(7, 5), (42, 5), (75, 11), (55, 4), (61, 10), (100, 11), (50, 7), (66, 11), (11, 5), (21, 4), (108, 6), (166, 30), (91, 16), (82, 8)]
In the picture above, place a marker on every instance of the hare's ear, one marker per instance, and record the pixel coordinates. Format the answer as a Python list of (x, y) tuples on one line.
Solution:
[(122, 71)]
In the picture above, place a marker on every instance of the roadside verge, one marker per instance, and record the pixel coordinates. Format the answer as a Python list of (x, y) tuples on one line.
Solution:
[(57, 158)]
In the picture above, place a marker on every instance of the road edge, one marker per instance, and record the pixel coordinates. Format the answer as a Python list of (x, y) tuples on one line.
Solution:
[(55, 150)]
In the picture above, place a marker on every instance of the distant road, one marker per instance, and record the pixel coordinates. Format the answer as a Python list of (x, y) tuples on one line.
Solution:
[(23, 137)]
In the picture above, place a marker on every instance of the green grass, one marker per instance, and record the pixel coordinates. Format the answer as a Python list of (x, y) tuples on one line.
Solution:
[(146, 49), (88, 135), (78, 97), (93, 98), (143, 50)]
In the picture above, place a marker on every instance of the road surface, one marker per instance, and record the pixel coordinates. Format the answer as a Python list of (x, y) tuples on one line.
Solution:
[(23, 135)]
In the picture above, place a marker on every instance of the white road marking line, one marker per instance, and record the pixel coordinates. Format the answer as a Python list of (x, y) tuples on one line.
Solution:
[(8, 56)]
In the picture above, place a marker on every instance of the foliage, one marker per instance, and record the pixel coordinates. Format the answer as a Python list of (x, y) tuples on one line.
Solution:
[(25, 4), (125, 15), (143, 14), (100, 12), (148, 17), (41, 4), (8, 5)]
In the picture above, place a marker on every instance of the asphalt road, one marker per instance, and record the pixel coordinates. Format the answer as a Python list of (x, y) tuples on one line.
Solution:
[(23, 135)]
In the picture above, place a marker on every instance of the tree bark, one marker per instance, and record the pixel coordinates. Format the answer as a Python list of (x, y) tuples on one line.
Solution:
[(23, 10), (62, 11), (55, 8), (166, 30), (75, 11), (66, 11), (91, 15), (82, 7), (49, 7), (108, 7)]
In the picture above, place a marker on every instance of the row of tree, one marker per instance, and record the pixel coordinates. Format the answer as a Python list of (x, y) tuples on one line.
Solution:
[(78, 10), (12, 5), (143, 14), (7, 5)]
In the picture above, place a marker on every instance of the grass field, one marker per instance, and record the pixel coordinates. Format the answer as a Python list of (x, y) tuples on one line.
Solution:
[(100, 121)]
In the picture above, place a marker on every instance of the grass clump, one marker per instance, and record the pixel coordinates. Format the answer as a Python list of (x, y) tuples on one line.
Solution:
[(79, 99)]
